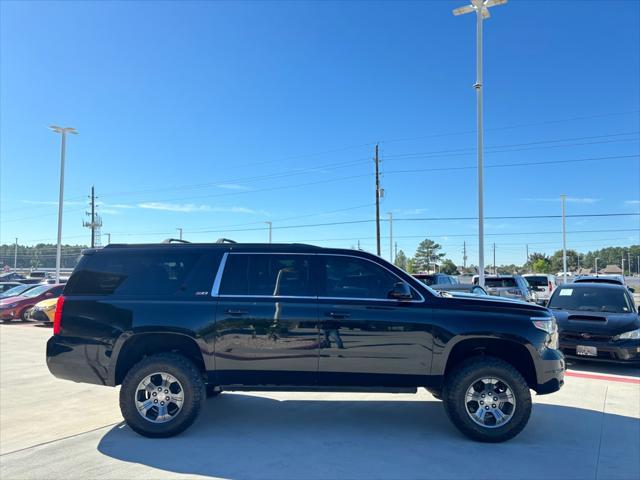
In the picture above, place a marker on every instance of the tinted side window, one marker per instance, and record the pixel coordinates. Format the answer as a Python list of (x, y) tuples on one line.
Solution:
[(154, 273), (268, 275), (349, 277)]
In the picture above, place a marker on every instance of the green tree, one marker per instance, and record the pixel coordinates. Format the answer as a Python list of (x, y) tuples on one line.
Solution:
[(401, 260), (428, 252), (449, 267), (411, 265), (542, 265)]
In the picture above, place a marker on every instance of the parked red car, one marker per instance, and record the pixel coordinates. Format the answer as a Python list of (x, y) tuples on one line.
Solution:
[(16, 308)]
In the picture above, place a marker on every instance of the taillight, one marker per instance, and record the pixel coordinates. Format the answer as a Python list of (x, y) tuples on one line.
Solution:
[(550, 287), (58, 315)]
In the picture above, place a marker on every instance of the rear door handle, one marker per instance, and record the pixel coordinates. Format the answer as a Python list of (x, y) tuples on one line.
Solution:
[(337, 315), (236, 312)]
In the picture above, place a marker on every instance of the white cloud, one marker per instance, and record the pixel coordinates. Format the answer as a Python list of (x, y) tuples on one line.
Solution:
[(192, 207), (174, 207), (110, 211), (632, 202), (233, 186)]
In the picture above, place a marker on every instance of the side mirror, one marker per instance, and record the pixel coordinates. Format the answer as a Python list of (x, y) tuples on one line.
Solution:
[(632, 290), (401, 291)]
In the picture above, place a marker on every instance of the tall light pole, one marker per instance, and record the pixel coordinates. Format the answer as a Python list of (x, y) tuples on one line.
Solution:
[(564, 240), (15, 257), (595, 261), (108, 238), (481, 8), (180, 230), (390, 236), (270, 228), (62, 131)]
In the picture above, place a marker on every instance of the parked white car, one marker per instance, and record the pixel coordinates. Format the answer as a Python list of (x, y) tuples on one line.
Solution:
[(543, 284)]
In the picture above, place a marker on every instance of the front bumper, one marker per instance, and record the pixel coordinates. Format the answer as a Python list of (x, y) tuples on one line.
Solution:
[(627, 351), (9, 314), (550, 367), (37, 315)]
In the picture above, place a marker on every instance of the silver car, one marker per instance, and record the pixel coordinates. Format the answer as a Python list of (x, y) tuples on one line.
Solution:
[(508, 286)]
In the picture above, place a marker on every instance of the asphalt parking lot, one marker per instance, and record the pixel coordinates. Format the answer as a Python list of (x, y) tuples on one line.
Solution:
[(51, 428)]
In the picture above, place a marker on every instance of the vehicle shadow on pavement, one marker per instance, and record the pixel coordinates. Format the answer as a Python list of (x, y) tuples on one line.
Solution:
[(250, 437)]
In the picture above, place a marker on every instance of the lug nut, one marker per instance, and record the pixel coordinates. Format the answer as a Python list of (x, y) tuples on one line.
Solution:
[(487, 407), (481, 402), (167, 399), (495, 399), (482, 395), (161, 403), (155, 401), (166, 391), (493, 406), (154, 394), (159, 389)]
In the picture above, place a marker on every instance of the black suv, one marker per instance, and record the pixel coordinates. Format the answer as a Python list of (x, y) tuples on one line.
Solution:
[(174, 323)]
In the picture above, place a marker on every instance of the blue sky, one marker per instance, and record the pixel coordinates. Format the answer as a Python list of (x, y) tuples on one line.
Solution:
[(218, 116)]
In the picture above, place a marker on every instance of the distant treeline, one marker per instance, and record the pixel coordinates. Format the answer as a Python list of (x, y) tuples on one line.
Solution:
[(42, 255)]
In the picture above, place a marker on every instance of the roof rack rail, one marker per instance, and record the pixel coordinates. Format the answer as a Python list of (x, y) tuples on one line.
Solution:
[(225, 240), (174, 240)]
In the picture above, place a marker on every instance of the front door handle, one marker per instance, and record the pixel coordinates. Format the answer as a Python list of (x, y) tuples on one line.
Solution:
[(337, 315), (236, 312)]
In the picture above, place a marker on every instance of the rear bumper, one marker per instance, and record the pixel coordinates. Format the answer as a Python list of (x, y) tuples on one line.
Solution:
[(550, 369), (77, 360), (616, 352)]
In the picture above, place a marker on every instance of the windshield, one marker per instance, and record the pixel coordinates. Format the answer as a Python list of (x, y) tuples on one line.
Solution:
[(539, 281), (37, 291), (591, 299), (500, 282), (15, 291)]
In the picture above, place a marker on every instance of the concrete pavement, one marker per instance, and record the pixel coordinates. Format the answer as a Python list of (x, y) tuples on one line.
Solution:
[(51, 428)]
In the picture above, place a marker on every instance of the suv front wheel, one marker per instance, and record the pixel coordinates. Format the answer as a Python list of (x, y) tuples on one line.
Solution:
[(162, 395), (487, 399)]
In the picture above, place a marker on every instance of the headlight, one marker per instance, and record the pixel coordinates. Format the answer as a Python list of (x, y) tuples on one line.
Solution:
[(48, 309), (546, 324), (632, 335)]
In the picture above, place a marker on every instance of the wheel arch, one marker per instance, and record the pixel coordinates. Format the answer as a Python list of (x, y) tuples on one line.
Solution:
[(133, 347), (516, 353)]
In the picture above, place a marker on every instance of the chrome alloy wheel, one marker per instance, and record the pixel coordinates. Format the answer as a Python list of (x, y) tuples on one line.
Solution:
[(490, 402), (159, 397)]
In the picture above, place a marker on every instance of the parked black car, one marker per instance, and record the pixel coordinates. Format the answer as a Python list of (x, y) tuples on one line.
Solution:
[(173, 322), (597, 321), (432, 279)]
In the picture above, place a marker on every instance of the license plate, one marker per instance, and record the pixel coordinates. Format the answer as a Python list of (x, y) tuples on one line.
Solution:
[(586, 351)]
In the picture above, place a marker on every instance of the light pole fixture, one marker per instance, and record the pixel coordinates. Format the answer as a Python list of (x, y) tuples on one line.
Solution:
[(481, 7), (63, 132), (270, 227)]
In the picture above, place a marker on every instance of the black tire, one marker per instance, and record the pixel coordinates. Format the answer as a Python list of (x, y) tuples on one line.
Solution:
[(25, 314), (213, 391), (466, 375), (190, 379)]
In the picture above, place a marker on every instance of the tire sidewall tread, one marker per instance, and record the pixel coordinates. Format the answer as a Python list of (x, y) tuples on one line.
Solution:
[(460, 379), (192, 383)]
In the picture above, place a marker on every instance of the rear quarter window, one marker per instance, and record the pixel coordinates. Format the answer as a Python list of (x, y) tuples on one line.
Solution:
[(132, 273)]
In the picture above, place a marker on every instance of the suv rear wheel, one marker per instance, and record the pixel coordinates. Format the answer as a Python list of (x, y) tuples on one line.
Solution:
[(162, 395), (487, 399)]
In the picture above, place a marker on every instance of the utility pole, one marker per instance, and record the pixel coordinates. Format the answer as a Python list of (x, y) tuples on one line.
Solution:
[(495, 269), (396, 251), (629, 262), (270, 227), (63, 132), (464, 254), (15, 257), (595, 261), (358, 244), (377, 162), (564, 240), (179, 230), (578, 261), (481, 8), (108, 238), (96, 221), (390, 237), (622, 266), (527, 249)]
